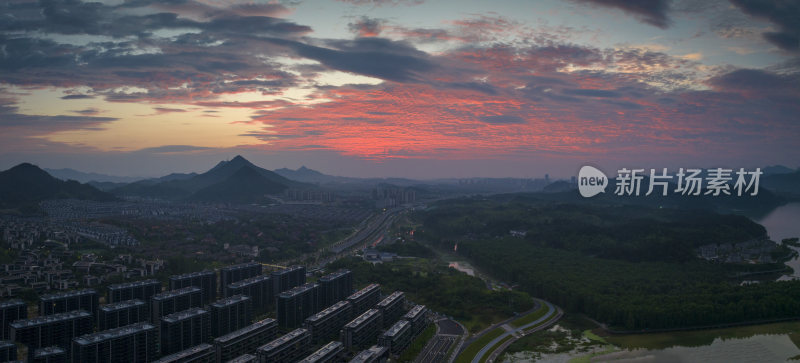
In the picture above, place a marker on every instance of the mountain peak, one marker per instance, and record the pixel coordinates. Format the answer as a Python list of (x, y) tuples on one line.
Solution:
[(28, 169), (239, 158), (24, 166), (27, 183)]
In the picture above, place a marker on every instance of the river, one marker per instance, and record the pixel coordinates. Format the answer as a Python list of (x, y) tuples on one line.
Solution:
[(784, 222)]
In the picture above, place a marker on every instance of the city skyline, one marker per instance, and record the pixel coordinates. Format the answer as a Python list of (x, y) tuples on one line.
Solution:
[(422, 89)]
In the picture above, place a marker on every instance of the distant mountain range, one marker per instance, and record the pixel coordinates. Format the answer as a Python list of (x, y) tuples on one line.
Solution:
[(25, 185), (83, 177), (240, 181), (237, 180)]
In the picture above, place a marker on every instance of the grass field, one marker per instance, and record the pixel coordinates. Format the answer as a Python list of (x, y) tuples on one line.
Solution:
[(536, 314)]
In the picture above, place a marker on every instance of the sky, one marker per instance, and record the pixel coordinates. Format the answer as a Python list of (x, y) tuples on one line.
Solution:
[(400, 88)]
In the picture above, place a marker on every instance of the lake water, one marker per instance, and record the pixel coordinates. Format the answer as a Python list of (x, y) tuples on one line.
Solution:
[(758, 348), (784, 222)]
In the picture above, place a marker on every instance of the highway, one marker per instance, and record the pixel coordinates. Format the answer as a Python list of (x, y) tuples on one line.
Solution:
[(376, 227), (553, 314), (373, 230)]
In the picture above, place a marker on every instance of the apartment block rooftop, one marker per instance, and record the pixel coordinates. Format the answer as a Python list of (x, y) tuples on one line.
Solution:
[(363, 317), (113, 333), (248, 281), (283, 339), (327, 311), (391, 299), (41, 320), (243, 331), (298, 290), (364, 291), (396, 328), (174, 317), (230, 301), (122, 305), (176, 292)]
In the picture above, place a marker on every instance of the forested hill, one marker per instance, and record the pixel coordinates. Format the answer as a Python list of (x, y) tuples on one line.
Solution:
[(630, 267), (633, 233)]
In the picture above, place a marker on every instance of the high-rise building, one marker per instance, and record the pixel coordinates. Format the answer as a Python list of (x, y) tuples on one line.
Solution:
[(287, 348), (373, 354), (391, 307), (230, 314), (130, 343), (142, 290), (397, 337), (202, 353), (365, 298), (11, 310), (329, 353), (122, 313), (52, 330), (288, 278), (258, 288), (362, 331), (326, 324), (245, 340), (8, 351), (231, 274), (184, 329), (62, 302), (416, 316), (52, 354), (296, 304), (335, 286), (169, 302), (205, 280)]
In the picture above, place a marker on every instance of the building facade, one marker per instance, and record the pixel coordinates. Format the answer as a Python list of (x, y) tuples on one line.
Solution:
[(133, 343), (122, 313), (230, 314), (296, 304), (287, 348), (205, 280), (245, 340), (184, 329)]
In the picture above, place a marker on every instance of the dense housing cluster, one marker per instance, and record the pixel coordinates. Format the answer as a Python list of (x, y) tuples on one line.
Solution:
[(207, 316)]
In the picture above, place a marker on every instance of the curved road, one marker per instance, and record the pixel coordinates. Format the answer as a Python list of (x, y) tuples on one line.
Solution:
[(552, 310)]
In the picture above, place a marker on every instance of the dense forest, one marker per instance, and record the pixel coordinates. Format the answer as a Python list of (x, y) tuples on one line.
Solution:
[(631, 267)]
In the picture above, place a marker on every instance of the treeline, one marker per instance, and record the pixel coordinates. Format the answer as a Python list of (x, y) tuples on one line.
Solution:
[(644, 276)]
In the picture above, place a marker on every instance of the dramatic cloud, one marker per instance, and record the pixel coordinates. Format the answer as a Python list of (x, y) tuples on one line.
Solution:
[(783, 13), (77, 97), (373, 82), (374, 57), (366, 27), (653, 12)]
